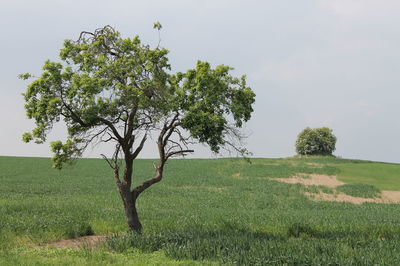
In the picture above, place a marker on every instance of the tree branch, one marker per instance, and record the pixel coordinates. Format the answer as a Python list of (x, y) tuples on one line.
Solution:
[(74, 116), (130, 126), (163, 138), (140, 147), (145, 185), (114, 164), (113, 129), (182, 152)]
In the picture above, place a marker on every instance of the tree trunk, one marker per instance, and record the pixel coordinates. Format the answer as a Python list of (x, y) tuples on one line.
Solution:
[(128, 198), (130, 209), (132, 217)]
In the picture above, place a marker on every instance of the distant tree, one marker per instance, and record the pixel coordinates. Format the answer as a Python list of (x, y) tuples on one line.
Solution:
[(111, 89), (317, 141)]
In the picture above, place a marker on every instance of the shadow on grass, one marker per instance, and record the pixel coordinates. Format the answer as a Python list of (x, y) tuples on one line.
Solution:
[(79, 230), (227, 243)]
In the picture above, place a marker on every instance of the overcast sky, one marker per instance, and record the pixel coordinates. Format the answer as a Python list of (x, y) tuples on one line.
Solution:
[(313, 63)]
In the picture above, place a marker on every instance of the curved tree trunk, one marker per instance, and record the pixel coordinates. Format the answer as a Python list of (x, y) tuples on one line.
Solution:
[(128, 198), (132, 217), (130, 209)]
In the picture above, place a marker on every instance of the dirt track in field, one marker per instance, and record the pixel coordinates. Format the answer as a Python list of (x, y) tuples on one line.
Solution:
[(76, 243), (312, 180)]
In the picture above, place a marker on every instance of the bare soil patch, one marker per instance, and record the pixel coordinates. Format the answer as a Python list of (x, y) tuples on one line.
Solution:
[(239, 176), (312, 180), (236, 174), (340, 197), (76, 243), (387, 196), (391, 196)]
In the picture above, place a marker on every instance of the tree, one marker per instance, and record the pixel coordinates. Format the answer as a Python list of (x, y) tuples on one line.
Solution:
[(111, 89), (317, 141)]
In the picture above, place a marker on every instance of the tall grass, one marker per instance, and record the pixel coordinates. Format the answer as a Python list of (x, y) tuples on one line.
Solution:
[(301, 245)]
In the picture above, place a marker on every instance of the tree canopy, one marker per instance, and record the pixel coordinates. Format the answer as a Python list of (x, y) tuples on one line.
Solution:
[(317, 141), (112, 87)]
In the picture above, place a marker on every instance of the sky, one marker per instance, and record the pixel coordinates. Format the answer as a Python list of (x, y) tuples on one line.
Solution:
[(311, 63)]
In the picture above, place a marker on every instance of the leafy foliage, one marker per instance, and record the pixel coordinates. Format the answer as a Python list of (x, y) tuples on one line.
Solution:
[(111, 88), (317, 141)]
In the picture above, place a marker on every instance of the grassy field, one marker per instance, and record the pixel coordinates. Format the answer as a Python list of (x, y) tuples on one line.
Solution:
[(381, 175), (211, 211)]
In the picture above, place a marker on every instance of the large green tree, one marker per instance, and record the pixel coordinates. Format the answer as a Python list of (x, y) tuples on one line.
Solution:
[(111, 89)]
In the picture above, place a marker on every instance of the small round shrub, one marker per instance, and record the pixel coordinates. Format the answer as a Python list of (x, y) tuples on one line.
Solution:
[(316, 141)]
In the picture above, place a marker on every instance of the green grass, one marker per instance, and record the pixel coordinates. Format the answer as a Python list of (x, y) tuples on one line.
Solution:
[(301, 244), (54, 256), (360, 190), (317, 189), (384, 176), (204, 211)]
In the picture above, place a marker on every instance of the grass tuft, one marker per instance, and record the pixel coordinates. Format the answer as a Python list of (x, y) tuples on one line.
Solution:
[(75, 231)]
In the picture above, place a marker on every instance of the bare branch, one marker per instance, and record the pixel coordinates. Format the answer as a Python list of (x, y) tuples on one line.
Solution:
[(108, 161), (180, 152), (168, 128), (140, 147), (113, 163), (110, 137), (113, 129)]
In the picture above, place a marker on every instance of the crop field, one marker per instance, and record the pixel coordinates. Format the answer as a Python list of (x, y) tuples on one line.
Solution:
[(204, 212)]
